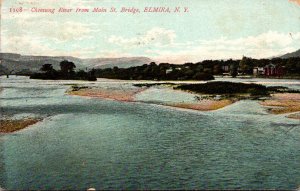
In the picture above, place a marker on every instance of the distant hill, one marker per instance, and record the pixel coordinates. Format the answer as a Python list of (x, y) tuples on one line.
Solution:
[(3, 70), (19, 63), (124, 62), (291, 55)]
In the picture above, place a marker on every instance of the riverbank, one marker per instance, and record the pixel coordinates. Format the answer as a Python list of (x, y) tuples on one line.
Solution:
[(12, 125)]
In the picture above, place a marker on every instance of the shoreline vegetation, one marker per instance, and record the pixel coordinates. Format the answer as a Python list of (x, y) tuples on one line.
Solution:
[(200, 71), (12, 125), (206, 70), (143, 68), (210, 96), (66, 73)]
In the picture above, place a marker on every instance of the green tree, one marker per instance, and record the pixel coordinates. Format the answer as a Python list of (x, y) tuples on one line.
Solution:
[(47, 68), (245, 64), (217, 69), (233, 70), (67, 67)]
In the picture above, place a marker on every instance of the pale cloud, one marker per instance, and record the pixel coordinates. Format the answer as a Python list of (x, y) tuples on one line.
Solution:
[(269, 39), (295, 1), (113, 54), (165, 49), (67, 31), (261, 46), (59, 32), (49, 4), (47, 25), (21, 45), (156, 36)]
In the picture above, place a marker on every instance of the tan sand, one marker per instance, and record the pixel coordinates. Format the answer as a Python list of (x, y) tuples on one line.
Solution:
[(283, 103), (113, 94), (294, 116), (10, 125), (286, 96), (204, 105), (128, 96)]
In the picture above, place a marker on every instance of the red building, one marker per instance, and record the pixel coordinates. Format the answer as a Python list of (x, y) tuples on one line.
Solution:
[(273, 70)]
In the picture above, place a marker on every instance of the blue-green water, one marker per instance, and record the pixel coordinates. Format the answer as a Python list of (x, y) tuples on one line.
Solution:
[(85, 143)]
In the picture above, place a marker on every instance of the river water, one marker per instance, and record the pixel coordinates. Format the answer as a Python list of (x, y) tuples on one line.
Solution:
[(104, 144)]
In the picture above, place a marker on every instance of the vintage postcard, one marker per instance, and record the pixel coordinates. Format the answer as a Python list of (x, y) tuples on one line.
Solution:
[(150, 95)]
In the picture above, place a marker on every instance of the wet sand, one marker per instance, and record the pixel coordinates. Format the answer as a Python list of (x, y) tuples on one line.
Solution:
[(279, 103), (294, 116), (112, 94), (128, 95), (283, 103), (12, 125), (204, 105)]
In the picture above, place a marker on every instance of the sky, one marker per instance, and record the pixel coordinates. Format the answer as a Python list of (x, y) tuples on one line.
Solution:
[(211, 29)]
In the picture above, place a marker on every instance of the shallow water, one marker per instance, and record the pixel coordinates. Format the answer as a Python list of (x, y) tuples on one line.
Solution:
[(163, 95), (104, 144), (290, 83)]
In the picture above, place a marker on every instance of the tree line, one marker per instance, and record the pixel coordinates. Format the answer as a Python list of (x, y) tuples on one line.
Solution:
[(204, 70), (66, 72), (197, 71)]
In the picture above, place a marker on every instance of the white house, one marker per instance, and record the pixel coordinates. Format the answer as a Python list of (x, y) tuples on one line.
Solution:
[(258, 71), (169, 70)]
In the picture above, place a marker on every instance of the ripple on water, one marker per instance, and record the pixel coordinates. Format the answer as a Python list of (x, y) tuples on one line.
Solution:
[(112, 145)]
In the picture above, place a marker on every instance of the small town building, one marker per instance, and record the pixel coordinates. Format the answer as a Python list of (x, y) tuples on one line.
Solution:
[(169, 70), (258, 71), (273, 70), (225, 68)]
